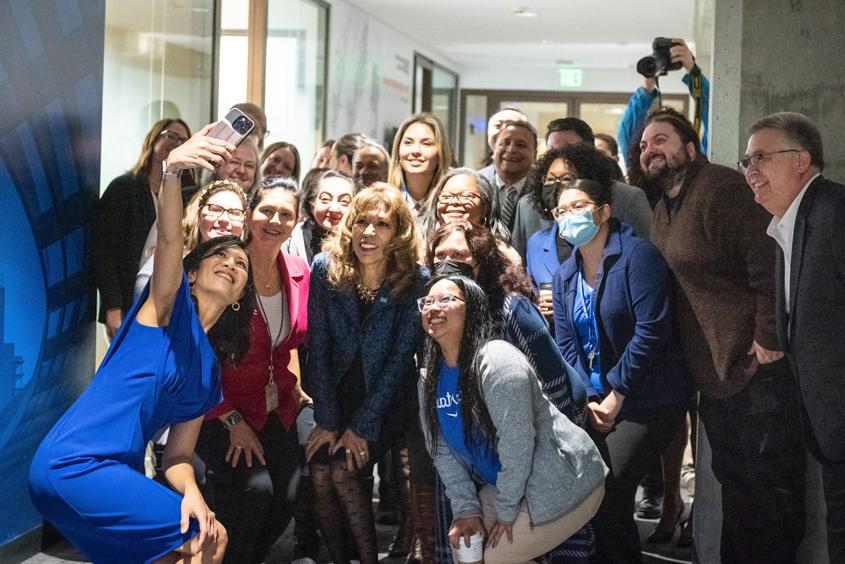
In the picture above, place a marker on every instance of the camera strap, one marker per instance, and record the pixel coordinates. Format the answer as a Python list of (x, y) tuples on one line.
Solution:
[(697, 96)]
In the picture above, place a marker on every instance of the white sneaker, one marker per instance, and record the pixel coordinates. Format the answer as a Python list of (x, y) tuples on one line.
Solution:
[(304, 561)]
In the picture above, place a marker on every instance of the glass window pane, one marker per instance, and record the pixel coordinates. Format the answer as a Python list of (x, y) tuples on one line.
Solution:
[(539, 114), (475, 131), (157, 64), (294, 78), (234, 14), (602, 117), (231, 72)]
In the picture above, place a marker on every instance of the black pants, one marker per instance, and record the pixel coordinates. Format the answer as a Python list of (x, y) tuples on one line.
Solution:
[(254, 504), (833, 484), (758, 456), (629, 451)]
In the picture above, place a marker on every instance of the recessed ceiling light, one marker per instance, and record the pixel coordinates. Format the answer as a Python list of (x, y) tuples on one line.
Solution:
[(524, 12)]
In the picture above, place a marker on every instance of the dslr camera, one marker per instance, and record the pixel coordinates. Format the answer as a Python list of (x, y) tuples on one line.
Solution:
[(660, 61)]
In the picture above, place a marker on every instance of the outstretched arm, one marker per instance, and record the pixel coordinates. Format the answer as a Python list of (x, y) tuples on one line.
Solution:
[(198, 151)]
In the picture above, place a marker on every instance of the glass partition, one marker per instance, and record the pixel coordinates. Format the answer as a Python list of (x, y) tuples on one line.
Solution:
[(157, 64)]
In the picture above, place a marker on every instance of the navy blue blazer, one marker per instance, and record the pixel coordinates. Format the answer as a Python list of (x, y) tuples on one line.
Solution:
[(541, 260), (640, 354), (387, 338)]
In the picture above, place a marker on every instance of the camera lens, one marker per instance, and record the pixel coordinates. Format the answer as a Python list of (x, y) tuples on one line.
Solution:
[(241, 125), (647, 66)]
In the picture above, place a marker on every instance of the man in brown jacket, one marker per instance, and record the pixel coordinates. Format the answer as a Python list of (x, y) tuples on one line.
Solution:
[(713, 236)]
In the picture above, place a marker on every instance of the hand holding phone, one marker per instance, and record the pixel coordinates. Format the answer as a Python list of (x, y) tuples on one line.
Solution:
[(233, 128)]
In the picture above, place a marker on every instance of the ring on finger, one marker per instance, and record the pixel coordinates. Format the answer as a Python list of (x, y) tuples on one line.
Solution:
[(238, 447), (363, 453)]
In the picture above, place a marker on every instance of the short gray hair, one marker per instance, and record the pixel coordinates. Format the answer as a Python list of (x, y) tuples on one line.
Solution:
[(798, 129)]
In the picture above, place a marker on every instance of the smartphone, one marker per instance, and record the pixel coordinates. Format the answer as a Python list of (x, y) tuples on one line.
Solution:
[(233, 128)]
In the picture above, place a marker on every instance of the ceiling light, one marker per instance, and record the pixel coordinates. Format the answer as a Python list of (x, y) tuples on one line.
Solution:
[(524, 12)]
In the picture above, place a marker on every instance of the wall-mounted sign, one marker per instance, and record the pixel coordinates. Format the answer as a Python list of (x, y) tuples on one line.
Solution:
[(571, 78)]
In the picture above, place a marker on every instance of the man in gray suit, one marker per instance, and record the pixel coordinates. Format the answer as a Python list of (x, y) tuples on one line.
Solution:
[(514, 151), (630, 204), (783, 164)]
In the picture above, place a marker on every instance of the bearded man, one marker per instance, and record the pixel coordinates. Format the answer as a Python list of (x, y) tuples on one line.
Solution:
[(714, 238)]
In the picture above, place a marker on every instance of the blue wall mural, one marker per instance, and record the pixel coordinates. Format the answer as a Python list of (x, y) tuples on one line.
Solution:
[(51, 73)]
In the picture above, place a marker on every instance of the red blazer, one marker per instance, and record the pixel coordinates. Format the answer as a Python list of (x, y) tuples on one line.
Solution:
[(243, 384)]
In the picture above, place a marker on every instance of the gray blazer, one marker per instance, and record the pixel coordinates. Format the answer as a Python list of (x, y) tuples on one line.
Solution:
[(629, 205), (547, 461)]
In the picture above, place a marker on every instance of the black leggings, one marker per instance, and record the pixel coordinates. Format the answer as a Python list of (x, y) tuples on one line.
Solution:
[(628, 451), (254, 504)]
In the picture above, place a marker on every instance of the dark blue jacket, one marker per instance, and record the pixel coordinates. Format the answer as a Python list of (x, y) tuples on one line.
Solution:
[(640, 354), (523, 326), (388, 338)]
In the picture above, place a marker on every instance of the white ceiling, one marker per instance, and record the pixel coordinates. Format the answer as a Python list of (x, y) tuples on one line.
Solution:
[(583, 33)]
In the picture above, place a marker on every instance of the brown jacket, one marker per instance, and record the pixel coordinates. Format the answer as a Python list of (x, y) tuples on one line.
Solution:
[(723, 263)]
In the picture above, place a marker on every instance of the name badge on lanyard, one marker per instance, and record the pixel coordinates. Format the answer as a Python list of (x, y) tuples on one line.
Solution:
[(271, 393)]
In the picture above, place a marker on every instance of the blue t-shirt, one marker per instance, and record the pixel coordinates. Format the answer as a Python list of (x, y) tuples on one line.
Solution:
[(483, 461), (587, 330)]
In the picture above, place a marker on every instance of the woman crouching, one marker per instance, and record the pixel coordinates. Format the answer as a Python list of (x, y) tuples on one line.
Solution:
[(489, 426)]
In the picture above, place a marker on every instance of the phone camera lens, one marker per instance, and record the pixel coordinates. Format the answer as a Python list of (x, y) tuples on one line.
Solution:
[(241, 125)]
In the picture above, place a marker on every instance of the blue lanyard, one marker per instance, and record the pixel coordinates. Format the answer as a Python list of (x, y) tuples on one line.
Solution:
[(590, 312)]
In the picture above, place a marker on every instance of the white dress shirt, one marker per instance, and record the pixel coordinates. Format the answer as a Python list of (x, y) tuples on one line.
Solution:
[(782, 230)]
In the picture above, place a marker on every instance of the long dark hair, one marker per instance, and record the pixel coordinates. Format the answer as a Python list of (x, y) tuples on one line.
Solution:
[(230, 335), (478, 331), (497, 275)]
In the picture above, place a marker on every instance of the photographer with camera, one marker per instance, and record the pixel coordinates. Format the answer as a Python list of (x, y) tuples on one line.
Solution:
[(669, 55)]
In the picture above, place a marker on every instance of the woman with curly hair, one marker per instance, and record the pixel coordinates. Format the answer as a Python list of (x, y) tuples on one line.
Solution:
[(364, 332), (516, 470), (421, 155)]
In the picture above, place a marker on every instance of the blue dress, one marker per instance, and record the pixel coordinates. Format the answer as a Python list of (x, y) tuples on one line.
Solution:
[(85, 476)]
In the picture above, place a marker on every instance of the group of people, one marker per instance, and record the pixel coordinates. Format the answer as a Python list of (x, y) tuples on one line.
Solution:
[(516, 345)]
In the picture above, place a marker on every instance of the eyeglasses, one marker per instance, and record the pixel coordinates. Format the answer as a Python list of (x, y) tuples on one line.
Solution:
[(172, 136), (463, 198), (754, 160), (214, 211), (574, 207), (442, 301), (562, 181)]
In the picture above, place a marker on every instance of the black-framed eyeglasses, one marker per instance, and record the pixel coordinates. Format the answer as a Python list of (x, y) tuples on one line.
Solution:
[(574, 207), (560, 181), (462, 197), (173, 137), (442, 301), (214, 211), (754, 160)]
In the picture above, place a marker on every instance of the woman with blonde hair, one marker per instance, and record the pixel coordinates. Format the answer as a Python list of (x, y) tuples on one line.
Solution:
[(364, 332), (421, 155), (216, 210)]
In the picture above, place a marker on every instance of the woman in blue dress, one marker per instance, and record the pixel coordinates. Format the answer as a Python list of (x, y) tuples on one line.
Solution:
[(162, 369)]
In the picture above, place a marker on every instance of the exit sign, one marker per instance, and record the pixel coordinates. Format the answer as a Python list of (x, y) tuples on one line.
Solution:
[(571, 78)]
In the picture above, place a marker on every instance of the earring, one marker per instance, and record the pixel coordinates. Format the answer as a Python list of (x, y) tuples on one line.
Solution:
[(236, 306)]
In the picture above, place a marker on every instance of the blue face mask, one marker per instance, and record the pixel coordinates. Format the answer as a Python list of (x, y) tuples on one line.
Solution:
[(577, 228)]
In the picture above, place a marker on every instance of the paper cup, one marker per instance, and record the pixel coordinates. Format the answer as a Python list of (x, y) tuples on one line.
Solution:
[(472, 554)]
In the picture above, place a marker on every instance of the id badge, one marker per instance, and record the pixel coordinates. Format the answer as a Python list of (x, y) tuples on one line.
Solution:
[(271, 396)]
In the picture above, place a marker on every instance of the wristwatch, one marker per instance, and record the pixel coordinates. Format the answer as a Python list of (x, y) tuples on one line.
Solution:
[(232, 420), (165, 175)]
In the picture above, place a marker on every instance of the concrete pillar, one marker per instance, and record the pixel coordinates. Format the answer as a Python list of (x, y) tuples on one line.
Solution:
[(770, 57)]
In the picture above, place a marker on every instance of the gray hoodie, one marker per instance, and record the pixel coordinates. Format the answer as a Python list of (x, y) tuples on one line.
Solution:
[(545, 459)]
